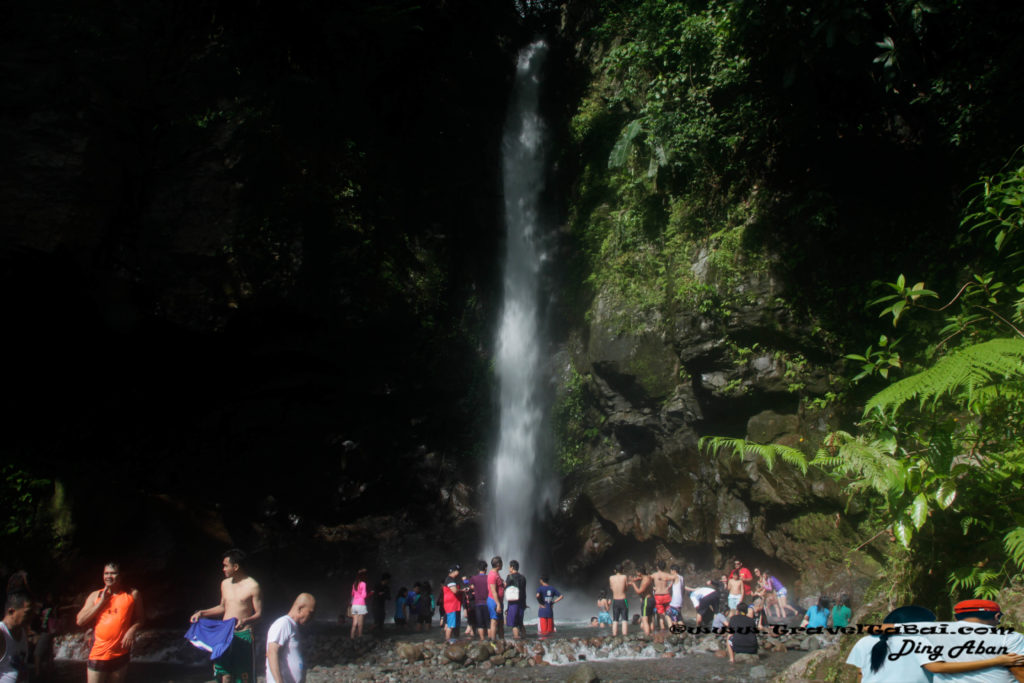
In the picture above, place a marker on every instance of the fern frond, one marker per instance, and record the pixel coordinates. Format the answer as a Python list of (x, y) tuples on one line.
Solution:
[(767, 452), (966, 370), (1013, 541)]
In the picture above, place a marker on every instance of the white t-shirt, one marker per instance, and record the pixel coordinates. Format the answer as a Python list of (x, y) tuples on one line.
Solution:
[(698, 593), (15, 657), (677, 593), (904, 669), (285, 632), (967, 641)]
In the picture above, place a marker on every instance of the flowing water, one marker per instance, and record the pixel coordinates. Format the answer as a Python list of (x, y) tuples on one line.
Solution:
[(519, 487)]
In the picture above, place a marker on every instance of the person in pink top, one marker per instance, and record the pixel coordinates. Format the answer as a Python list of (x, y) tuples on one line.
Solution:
[(358, 604), (495, 598)]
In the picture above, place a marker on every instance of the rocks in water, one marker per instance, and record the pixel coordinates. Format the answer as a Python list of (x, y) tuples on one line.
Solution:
[(758, 673)]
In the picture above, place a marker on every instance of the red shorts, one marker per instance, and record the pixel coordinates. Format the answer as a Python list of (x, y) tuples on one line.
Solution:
[(661, 602), (546, 625)]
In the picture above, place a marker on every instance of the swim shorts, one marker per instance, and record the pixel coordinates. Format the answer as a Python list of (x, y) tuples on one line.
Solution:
[(112, 664), (661, 602), (237, 662), (514, 615), (620, 610), (493, 609), (647, 606), (604, 618)]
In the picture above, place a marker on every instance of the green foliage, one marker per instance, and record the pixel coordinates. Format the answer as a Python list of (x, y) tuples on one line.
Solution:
[(665, 197), (767, 452), (570, 419), (22, 493), (939, 454), (965, 373)]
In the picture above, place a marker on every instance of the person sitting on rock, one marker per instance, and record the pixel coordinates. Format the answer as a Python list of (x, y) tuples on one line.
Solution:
[(743, 638)]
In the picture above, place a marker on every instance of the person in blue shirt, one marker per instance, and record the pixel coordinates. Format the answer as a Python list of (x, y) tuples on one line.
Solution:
[(400, 619), (817, 615), (547, 596)]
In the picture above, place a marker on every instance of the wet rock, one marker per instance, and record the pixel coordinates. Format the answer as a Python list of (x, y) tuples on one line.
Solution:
[(811, 643), (758, 673), (479, 652), (455, 653), (584, 673), (410, 652), (744, 658)]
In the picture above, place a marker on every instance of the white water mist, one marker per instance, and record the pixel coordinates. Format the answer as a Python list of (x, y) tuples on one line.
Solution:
[(518, 486)]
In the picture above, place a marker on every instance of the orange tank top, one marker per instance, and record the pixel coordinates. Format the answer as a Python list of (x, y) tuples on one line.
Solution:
[(111, 625)]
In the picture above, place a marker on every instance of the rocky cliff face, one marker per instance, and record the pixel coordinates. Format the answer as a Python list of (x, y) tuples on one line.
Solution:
[(644, 489)]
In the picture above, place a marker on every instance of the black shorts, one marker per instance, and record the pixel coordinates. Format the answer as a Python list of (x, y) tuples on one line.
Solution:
[(647, 606), (620, 610), (114, 664), (483, 615)]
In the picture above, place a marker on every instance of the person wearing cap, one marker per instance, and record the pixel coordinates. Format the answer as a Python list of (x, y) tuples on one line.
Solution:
[(973, 648), (451, 591)]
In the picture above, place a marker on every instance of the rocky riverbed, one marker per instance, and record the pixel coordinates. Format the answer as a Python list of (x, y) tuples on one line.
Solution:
[(572, 654)]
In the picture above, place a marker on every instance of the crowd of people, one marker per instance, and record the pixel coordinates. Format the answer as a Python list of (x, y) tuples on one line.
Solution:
[(740, 604)]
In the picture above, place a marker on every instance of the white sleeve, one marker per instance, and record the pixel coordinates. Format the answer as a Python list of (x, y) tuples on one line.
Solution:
[(280, 632), (860, 655), (1014, 642)]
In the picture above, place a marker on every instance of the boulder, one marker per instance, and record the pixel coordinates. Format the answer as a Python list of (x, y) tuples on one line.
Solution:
[(455, 653), (583, 673)]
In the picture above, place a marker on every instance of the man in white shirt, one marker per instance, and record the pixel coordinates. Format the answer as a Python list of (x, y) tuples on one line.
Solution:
[(975, 636), (284, 659)]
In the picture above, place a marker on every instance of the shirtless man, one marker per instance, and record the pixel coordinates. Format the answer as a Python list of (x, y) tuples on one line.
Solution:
[(115, 613), (620, 609), (735, 590), (662, 595), (642, 584), (240, 599)]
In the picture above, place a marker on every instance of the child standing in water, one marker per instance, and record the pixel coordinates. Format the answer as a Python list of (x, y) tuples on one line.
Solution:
[(547, 596), (604, 607)]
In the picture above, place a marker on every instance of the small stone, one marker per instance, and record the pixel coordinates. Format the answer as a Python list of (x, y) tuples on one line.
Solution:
[(758, 673)]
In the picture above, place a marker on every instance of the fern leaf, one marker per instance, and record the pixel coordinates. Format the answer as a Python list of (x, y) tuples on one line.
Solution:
[(767, 452), (1013, 541), (624, 145), (965, 370)]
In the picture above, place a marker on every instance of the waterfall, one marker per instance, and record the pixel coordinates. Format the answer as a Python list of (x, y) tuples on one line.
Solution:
[(518, 488)]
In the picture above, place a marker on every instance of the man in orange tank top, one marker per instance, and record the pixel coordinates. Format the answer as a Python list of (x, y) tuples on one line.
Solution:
[(116, 614)]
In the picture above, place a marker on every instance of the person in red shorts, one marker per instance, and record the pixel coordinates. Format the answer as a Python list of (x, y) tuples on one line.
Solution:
[(547, 596), (116, 614), (662, 595)]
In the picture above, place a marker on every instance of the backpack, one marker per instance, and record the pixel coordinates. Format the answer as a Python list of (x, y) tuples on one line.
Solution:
[(512, 588)]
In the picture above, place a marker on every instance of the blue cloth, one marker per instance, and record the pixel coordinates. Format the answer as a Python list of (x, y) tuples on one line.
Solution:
[(212, 635), (400, 608)]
